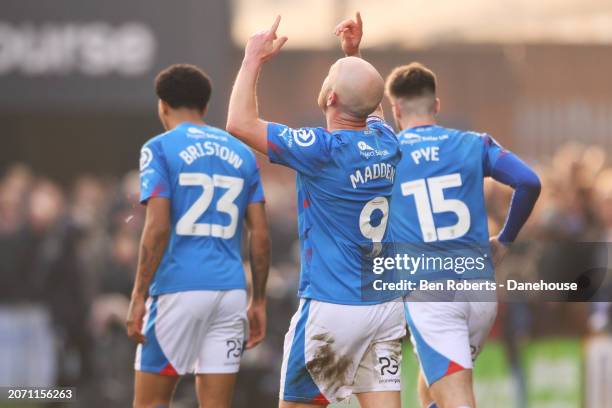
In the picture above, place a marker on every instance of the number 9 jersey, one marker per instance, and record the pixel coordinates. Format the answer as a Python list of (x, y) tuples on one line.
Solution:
[(344, 185), (210, 178)]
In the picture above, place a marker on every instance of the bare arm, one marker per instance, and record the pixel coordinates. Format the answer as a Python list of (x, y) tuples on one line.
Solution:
[(259, 254), (152, 246), (152, 243), (243, 116), (351, 33), (259, 249), (243, 119)]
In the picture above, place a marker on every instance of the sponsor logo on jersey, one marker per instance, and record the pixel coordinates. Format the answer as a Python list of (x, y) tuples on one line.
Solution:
[(195, 133), (146, 155), (368, 151), (411, 138), (287, 135), (364, 146)]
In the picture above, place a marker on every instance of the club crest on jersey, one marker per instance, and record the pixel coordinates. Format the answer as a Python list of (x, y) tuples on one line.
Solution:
[(304, 137), (146, 155)]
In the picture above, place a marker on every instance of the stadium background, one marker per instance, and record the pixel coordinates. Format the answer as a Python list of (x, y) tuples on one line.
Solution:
[(76, 104)]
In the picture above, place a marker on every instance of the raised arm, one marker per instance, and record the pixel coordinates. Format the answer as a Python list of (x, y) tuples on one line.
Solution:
[(243, 119), (350, 33)]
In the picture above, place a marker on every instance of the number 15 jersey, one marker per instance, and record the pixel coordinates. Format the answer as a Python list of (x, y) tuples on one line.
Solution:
[(438, 198), (210, 178), (344, 185)]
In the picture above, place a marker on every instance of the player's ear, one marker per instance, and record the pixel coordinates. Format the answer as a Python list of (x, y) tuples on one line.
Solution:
[(332, 98), (162, 112), (163, 108), (437, 106), (397, 112)]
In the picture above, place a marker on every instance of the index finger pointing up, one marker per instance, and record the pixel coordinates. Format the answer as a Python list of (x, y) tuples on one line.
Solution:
[(359, 21), (275, 24)]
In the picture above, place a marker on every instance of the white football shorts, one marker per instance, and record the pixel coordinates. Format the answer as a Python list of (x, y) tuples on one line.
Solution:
[(448, 336), (199, 332), (332, 351)]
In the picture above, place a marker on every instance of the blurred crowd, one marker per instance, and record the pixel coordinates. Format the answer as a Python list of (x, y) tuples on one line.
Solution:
[(566, 239), (69, 253)]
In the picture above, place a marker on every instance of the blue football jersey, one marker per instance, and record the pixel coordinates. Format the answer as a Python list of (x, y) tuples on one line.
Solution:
[(438, 200), (210, 178), (344, 185)]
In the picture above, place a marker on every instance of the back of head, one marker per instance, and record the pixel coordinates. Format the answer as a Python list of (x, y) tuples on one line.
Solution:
[(413, 88), (358, 86), (184, 86)]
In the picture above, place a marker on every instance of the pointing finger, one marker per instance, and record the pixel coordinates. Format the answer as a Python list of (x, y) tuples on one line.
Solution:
[(359, 21), (275, 24)]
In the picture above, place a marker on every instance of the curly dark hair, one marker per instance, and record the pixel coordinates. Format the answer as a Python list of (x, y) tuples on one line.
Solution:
[(183, 86)]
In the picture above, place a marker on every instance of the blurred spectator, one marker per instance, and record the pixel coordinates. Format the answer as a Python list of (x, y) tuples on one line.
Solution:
[(601, 312), (26, 337), (55, 277)]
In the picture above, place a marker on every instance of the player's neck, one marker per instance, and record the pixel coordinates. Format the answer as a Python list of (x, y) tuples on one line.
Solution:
[(183, 117), (416, 121), (340, 121)]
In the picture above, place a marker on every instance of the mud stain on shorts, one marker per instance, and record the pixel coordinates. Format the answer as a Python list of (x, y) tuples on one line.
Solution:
[(328, 370)]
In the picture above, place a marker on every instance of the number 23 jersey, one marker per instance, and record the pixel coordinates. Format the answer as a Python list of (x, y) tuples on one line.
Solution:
[(344, 185), (210, 178)]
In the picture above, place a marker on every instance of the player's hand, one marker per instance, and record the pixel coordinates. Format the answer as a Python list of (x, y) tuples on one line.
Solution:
[(350, 33), (498, 250), (257, 323), (135, 317), (265, 44)]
